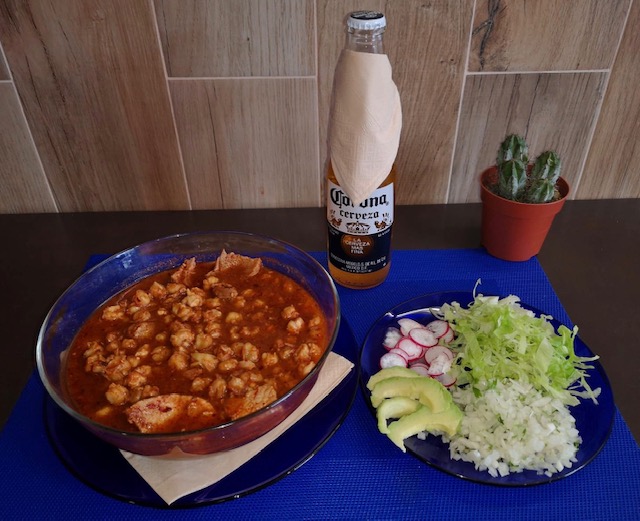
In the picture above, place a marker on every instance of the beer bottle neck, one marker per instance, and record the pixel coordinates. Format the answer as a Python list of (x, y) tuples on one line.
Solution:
[(369, 41)]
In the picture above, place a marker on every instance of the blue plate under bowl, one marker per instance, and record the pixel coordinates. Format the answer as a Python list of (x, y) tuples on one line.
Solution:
[(101, 466)]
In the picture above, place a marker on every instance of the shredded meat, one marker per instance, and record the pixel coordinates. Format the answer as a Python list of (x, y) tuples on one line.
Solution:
[(254, 400), (164, 413), (248, 266), (185, 272)]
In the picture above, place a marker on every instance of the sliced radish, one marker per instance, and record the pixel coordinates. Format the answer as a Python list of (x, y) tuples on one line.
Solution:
[(440, 364), (423, 336), (400, 352), (393, 359), (407, 324), (413, 350), (436, 351), (446, 379), (438, 327), (391, 338), (448, 336), (419, 347), (420, 368)]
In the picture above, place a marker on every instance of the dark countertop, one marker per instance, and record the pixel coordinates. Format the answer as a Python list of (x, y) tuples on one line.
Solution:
[(591, 257)]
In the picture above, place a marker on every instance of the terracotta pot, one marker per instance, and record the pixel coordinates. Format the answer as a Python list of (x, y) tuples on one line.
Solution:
[(515, 231)]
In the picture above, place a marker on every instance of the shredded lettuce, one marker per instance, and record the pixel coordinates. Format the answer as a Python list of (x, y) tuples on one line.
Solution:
[(498, 339)]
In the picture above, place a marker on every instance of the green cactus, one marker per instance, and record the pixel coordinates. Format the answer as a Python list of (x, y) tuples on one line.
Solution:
[(543, 178), (519, 182), (512, 167), (513, 147)]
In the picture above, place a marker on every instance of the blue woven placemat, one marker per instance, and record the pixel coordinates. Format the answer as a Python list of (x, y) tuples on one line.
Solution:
[(358, 474)]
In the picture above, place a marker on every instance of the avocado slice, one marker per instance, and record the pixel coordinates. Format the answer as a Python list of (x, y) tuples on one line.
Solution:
[(391, 372), (395, 407), (426, 390), (423, 419)]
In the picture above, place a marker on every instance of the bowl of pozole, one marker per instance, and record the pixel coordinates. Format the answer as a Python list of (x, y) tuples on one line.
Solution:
[(200, 341)]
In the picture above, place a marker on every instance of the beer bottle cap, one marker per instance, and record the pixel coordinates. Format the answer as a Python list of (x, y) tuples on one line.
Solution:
[(366, 20)]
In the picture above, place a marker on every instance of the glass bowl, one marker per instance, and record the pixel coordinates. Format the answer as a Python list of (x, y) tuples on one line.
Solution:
[(124, 269)]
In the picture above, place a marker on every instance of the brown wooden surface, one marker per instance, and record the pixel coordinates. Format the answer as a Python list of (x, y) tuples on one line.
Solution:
[(612, 164), (111, 93), (591, 258), (218, 38), (233, 126), (96, 99), (551, 111), (4, 70), (545, 35), (24, 179)]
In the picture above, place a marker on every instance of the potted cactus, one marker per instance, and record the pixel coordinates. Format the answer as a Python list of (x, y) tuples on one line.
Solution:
[(520, 200)]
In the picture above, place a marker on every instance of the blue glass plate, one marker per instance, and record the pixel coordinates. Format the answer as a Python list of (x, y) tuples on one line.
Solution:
[(594, 422), (102, 467)]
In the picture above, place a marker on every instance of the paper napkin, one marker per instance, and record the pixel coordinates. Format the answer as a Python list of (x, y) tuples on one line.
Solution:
[(178, 474), (365, 123)]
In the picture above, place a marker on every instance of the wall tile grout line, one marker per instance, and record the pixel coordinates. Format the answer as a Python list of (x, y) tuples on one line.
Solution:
[(596, 119), (243, 78), (32, 140), (5, 62), (150, 3), (460, 103), (560, 71), (320, 173), (35, 149)]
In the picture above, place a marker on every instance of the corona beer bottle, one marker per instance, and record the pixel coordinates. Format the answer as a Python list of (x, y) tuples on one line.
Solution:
[(359, 236)]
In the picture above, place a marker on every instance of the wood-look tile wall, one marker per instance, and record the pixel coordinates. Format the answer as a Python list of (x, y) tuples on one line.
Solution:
[(206, 104)]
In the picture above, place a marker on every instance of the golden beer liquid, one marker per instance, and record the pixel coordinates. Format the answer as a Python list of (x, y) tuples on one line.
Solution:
[(359, 280)]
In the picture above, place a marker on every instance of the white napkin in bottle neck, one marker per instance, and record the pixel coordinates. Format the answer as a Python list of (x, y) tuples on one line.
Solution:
[(364, 124)]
